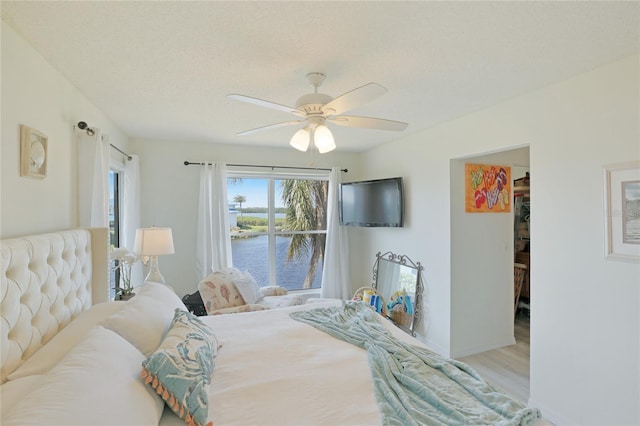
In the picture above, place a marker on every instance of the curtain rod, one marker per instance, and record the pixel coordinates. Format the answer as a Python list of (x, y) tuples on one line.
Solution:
[(190, 163), (120, 151), (82, 125)]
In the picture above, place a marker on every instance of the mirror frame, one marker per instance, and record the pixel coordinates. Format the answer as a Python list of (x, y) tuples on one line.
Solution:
[(403, 260)]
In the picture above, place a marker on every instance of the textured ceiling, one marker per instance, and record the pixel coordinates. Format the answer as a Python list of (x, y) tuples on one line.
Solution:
[(162, 70)]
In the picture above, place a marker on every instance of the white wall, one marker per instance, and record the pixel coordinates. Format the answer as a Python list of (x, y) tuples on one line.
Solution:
[(585, 323), (170, 190), (37, 95)]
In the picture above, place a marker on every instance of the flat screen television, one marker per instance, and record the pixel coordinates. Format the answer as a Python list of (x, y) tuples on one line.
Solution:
[(372, 203)]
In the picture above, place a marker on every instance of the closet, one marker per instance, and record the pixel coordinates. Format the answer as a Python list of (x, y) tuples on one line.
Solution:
[(522, 240)]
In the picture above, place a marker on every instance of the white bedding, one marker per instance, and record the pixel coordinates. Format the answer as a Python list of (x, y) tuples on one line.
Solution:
[(269, 370), (272, 370), (96, 383), (90, 375)]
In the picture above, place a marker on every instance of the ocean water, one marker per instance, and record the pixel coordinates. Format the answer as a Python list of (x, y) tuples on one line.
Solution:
[(261, 215), (252, 254)]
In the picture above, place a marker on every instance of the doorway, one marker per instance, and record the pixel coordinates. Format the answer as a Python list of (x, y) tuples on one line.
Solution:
[(483, 331), (521, 234)]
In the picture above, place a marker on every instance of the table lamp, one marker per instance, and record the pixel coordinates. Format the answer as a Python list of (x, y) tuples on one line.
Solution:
[(154, 242)]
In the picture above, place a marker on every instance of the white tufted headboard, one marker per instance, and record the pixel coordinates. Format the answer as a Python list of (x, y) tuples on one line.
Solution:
[(46, 281)]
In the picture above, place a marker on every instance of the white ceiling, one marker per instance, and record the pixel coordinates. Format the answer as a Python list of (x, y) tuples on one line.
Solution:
[(162, 70)]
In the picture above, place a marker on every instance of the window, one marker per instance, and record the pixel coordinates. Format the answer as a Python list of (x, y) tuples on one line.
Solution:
[(114, 224), (278, 228)]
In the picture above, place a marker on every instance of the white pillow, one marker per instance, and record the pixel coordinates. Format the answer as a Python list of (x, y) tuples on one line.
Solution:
[(161, 293), (97, 383), (248, 288), (59, 345), (14, 391), (143, 321), (232, 272)]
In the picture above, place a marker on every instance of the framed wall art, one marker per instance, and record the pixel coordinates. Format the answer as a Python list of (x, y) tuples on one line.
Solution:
[(487, 188), (622, 211), (33, 153)]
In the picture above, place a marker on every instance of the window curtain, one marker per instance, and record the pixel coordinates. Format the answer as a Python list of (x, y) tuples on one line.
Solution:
[(93, 180), (130, 212), (213, 242), (335, 273)]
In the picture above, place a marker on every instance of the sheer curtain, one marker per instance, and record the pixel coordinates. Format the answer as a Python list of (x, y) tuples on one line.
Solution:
[(131, 201), (131, 210), (335, 273), (213, 243), (93, 180)]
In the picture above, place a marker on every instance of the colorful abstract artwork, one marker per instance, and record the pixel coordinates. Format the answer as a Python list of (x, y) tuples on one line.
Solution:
[(487, 188)]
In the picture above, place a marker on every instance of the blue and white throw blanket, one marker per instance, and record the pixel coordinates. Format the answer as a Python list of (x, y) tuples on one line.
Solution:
[(414, 386)]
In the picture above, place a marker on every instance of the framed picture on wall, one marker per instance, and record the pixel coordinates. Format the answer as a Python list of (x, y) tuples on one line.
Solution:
[(622, 211), (487, 188), (33, 153)]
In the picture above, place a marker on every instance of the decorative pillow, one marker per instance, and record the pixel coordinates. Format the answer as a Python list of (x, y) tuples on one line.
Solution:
[(96, 383), (180, 370), (143, 321), (50, 354), (219, 291), (248, 288)]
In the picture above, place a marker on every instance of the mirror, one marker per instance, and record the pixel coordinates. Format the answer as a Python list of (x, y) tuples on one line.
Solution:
[(399, 281)]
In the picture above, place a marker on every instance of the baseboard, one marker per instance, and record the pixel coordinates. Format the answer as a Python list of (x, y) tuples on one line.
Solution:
[(550, 415), (433, 346), (507, 341)]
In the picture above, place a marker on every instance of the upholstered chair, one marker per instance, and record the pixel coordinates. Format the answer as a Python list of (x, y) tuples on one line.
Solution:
[(233, 291)]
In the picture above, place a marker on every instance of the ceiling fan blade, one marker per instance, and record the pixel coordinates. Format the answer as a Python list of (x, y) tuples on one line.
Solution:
[(271, 126), (354, 98), (368, 122), (266, 104)]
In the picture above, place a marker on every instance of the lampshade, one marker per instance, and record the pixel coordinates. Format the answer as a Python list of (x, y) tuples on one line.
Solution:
[(323, 139), (154, 241), (300, 139)]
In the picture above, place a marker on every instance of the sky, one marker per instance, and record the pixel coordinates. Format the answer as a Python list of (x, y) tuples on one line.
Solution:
[(632, 190), (255, 191)]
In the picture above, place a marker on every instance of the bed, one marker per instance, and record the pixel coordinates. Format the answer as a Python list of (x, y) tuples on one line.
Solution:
[(70, 356)]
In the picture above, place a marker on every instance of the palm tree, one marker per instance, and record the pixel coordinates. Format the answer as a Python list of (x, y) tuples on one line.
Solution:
[(306, 210), (240, 199)]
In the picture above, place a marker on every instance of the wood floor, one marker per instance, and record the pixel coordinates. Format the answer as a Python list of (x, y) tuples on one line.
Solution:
[(508, 367)]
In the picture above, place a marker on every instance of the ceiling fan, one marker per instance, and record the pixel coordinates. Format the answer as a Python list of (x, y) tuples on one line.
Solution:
[(316, 109)]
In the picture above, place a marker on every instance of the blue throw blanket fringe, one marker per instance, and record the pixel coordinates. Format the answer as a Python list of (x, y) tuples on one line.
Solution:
[(414, 386)]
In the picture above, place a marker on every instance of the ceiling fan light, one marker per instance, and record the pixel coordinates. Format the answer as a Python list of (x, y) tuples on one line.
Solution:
[(323, 139), (300, 140)]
